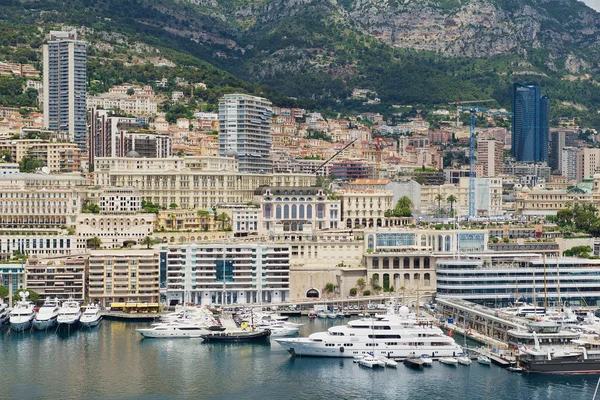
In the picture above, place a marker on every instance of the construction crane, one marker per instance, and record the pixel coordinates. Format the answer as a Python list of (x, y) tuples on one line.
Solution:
[(471, 151), (335, 155)]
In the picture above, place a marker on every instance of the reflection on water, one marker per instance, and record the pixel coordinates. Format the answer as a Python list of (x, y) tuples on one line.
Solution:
[(113, 361)]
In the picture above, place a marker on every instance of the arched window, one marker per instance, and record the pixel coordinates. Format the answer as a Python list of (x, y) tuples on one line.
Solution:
[(294, 226), (375, 262), (417, 277), (396, 262), (423, 241), (386, 262), (370, 242), (406, 279), (417, 262), (286, 211), (426, 262), (406, 262), (440, 242), (294, 211), (309, 211), (427, 278), (267, 211), (312, 293), (301, 210), (320, 212), (447, 243), (278, 211), (386, 281), (375, 279)]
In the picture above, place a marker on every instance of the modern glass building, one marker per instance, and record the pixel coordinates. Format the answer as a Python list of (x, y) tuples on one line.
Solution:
[(530, 128), (245, 131), (65, 83)]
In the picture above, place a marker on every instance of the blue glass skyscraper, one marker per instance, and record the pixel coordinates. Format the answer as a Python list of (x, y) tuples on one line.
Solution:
[(530, 125)]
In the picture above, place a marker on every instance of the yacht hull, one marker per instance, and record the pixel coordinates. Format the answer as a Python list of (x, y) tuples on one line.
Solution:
[(20, 326), (90, 323), (304, 347), (151, 333), (556, 366), (44, 325)]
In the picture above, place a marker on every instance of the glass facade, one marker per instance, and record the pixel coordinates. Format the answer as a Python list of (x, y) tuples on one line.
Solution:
[(531, 117), (395, 239)]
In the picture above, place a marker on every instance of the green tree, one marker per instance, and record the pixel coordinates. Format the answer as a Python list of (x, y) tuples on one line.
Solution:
[(361, 283), (439, 199), (173, 206), (329, 288), (223, 218), (353, 291), (130, 92), (403, 207), (366, 292), (94, 243), (33, 296), (564, 217), (451, 199), (148, 241), (30, 164), (90, 208), (578, 251), (3, 292)]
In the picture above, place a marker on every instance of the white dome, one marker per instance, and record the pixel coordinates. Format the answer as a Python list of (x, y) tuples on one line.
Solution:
[(403, 310)]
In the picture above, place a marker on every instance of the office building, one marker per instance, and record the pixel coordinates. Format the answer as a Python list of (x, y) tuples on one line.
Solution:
[(245, 131), (64, 59), (531, 118), (559, 139)]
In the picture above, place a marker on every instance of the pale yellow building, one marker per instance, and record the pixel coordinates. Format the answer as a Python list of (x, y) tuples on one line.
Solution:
[(364, 207), (58, 156)]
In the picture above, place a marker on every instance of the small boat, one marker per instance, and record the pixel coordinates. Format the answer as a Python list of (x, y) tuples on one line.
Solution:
[(91, 316), (414, 362), (312, 315), (332, 315), (388, 362), (47, 316), (449, 361), (484, 360), (370, 361), (340, 315), (464, 360), (322, 315), (357, 358), (427, 360), (238, 335), (515, 368)]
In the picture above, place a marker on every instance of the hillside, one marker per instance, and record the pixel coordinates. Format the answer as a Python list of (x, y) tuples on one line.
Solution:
[(412, 51)]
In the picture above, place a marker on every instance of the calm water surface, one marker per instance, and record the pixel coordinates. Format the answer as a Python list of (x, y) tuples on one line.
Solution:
[(112, 361)]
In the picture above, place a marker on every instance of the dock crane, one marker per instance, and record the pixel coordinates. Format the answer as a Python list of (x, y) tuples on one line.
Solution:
[(471, 151)]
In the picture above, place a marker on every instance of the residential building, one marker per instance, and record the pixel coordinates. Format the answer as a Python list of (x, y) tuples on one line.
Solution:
[(187, 220), (120, 200), (39, 243), (588, 163), (41, 180), (12, 276), (57, 277), (65, 81), (244, 131), (541, 171), (490, 156), (569, 163), (115, 231), (22, 70), (530, 128), (142, 104), (121, 276), (364, 207), (228, 273), (559, 139), (7, 168), (57, 156), (350, 170), (294, 207), (32, 207)]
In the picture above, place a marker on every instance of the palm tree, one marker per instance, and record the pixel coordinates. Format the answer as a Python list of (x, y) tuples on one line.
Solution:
[(439, 199), (94, 243), (451, 199), (148, 241), (223, 218)]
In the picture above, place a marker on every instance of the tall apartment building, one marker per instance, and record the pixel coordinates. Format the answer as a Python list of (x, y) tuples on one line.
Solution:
[(57, 277), (588, 163), (559, 139), (531, 119), (120, 276), (568, 164), (64, 59), (229, 273), (245, 131), (490, 156), (59, 157)]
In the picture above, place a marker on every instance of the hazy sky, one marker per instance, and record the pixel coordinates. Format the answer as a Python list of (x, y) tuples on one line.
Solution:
[(595, 4)]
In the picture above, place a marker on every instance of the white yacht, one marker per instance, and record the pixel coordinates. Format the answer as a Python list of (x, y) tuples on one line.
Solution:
[(279, 329), (91, 316), (70, 313), (174, 330), (392, 336), (4, 314), (47, 315), (22, 314)]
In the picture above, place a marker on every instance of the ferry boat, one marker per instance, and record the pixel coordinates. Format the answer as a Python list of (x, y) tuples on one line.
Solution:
[(391, 335)]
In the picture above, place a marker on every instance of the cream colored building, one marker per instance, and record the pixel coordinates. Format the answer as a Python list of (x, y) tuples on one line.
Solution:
[(189, 182), (490, 156), (58, 156), (115, 231), (36, 208), (364, 207), (120, 200), (142, 104), (41, 181), (57, 277), (588, 163), (124, 275)]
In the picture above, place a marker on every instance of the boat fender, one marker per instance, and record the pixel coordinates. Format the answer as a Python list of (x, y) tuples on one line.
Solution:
[(341, 349)]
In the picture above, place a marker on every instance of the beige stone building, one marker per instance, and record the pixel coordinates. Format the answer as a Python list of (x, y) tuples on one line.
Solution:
[(124, 275), (490, 156), (58, 156), (57, 277), (115, 231), (364, 207), (38, 208)]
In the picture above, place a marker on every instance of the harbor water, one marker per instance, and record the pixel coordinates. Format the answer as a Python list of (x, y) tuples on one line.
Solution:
[(112, 361)]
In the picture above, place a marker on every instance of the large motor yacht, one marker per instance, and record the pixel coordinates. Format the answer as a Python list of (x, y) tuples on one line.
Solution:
[(392, 336), (91, 316), (22, 314), (69, 313), (47, 315), (174, 330), (4, 314)]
